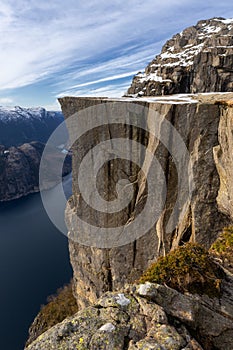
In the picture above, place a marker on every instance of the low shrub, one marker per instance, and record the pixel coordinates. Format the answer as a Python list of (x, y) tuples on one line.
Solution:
[(60, 306), (222, 248), (188, 268)]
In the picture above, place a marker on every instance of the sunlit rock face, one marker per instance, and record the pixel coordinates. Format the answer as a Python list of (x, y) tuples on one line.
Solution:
[(200, 216), (199, 59)]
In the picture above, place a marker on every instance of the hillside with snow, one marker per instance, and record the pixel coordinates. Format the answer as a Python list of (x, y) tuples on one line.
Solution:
[(21, 125), (199, 59)]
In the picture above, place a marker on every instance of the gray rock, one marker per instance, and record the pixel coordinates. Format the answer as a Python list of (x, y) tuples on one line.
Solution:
[(109, 325), (138, 324), (224, 158)]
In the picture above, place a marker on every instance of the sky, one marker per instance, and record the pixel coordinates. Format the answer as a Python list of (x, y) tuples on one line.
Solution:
[(50, 49)]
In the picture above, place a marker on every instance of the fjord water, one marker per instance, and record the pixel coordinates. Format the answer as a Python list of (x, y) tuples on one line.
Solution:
[(34, 263)]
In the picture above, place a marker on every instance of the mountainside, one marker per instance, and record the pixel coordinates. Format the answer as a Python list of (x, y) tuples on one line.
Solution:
[(22, 125), (151, 177), (19, 169), (23, 134), (199, 59)]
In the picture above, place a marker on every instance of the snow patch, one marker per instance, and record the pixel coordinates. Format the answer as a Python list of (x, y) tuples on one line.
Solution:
[(225, 21), (211, 29), (143, 77), (184, 57)]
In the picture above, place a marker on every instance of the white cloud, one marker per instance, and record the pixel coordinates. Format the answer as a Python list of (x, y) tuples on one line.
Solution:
[(53, 106), (5, 100), (109, 90), (39, 38), (114, 77)]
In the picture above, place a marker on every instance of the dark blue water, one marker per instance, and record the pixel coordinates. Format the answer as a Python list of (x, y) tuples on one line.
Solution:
[(34, 262)]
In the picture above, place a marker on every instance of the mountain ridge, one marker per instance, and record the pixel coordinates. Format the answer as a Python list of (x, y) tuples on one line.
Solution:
[(19, 125), (197, 60)]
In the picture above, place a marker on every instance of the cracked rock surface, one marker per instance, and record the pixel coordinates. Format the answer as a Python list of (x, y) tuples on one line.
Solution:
[(146, 316)]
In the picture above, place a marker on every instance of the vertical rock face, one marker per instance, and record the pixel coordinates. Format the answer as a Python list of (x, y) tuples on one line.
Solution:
[(223, 156), (199, 59), (199, 124)]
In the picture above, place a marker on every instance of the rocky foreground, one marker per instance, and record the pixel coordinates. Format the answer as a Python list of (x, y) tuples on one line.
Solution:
[(147, 316)]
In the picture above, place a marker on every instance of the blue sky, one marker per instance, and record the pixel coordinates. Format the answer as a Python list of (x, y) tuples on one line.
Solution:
[(86, 48)]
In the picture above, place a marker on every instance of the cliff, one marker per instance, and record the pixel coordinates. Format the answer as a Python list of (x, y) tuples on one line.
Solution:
[(199, 59), (188, 188), (149, 175), (19, 169)]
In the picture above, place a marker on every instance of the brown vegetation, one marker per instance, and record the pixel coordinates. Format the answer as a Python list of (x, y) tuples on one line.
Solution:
[(189, 268), (60, 306)]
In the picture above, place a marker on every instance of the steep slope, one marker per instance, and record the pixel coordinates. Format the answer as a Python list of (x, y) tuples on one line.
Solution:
[(22, 125), (199, 59)]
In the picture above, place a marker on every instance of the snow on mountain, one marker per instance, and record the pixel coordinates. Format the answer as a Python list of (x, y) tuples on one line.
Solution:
[(21, 125), (17, 112), (199, 59)]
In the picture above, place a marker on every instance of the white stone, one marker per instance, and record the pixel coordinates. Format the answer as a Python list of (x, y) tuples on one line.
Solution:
[(144, 288), (122, 300), (107, 327)]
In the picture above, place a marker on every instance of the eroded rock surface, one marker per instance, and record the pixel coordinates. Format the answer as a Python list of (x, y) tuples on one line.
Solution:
[(223, 156), (199, 59), (146, 316)]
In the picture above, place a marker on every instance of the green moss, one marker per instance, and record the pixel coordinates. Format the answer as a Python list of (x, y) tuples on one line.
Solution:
[(189, 268), (60, 306), (222, 248)]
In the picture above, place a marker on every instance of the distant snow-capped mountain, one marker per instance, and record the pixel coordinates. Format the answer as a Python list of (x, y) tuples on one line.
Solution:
[(21, 125), (199, 59)]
